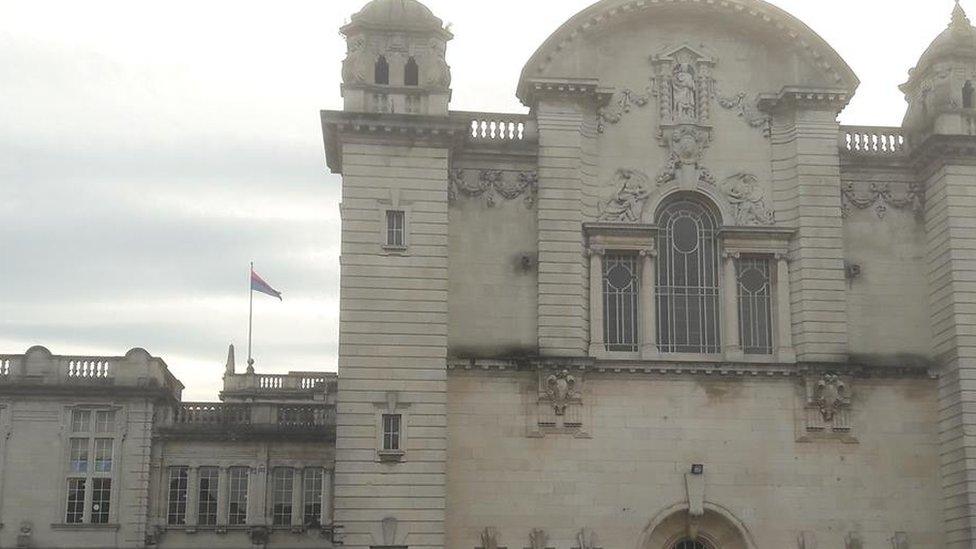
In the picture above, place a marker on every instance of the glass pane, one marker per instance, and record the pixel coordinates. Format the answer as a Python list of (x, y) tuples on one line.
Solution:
[(237, 496), (103, 455), (178, 480), (80, 421), (755, 305), (101, 499), (282, 490), (391, 431), (312, 497), (207, 496), (104, 421), (76, 501), (79, 455), (621, 302)]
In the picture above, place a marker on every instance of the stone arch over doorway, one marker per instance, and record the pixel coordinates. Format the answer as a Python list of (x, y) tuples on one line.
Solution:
[(718, 528)]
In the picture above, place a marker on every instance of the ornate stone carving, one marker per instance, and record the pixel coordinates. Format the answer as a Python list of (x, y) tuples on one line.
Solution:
[(627, 205), (621, 104), (900, 541), (489, 538), (437, 73), (358, 63), (831, 395), (538, 539), (492, 184), (586, 539), (881, 198), (748, 111), (684, 85), (561, 390), (748, 198), (687, 144)]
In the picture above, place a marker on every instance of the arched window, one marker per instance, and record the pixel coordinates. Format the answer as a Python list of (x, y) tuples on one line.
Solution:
[(689, 544), (382, 72), (967, 95), (687, 289), (411, 73)]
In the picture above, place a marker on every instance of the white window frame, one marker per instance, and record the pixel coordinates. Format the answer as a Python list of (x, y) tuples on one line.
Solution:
[(91, 435), (394, 203), (392, 405)]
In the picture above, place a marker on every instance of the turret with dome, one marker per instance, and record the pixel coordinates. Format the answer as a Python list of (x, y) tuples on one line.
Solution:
[(396, 60)]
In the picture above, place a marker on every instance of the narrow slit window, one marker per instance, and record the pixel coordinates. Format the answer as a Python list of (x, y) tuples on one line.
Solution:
[(687, 291), (411, 73), (391, 431), (755, 305), (312, 497), (281, 491), (207, 496), (176, 500), (237, 479), (382, 72), (395, 229), (621, 308)]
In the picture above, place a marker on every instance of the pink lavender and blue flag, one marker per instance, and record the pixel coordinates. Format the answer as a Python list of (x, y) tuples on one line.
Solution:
[(259, 285)]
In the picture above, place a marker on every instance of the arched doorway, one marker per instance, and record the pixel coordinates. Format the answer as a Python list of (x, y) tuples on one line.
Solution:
[(676, 528)]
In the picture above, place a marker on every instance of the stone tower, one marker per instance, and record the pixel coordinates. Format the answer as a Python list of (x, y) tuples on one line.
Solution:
[(391, 412), (941, 129)]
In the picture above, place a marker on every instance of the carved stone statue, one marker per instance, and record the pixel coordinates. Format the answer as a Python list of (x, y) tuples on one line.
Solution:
[(747, 197), (561, 390), (538, 539), (684, 93), (489, 538), (627, 206), (831, 394)]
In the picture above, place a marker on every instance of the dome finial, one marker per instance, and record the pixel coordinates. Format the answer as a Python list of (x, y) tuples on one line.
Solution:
[(959, 19)]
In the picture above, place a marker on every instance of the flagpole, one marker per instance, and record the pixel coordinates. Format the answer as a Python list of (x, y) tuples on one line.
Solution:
[(250, 319)]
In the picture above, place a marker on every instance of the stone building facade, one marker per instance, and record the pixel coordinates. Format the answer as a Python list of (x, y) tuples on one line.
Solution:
[(675, 306)]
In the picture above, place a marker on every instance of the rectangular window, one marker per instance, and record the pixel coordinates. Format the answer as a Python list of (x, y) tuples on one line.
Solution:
[(755, 305), (80, 421), (312, 497), (207, 496), (176, 507), (101, 497), (104, 421), (281, 494), (237, 478), (79, 455), (621, 309), (76, 501), (103, 455), (395, 221), (391, 431)]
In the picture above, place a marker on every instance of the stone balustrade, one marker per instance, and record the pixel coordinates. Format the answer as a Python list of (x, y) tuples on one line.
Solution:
[(235, 420), (298, 384), (498, 127), (875, 141)]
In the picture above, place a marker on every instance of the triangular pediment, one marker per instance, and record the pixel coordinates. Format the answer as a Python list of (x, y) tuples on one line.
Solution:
[(685, 53)]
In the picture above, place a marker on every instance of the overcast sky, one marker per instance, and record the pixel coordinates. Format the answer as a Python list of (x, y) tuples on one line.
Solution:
[(150, 150)]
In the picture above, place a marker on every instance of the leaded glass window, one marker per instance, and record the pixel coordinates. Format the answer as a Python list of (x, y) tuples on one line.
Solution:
[(755, 305), (621, 283), (687, 289)]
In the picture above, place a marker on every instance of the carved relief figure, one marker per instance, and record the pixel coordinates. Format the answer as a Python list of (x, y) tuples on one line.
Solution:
[(627, 205), (437, 71), (831, 394), (538, 539), (356, 65), (683, 93), (561, 390), (489, 538), (748, 198)]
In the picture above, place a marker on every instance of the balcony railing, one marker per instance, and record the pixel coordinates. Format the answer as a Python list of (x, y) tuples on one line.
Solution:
[(270, 384), (219, 415), (89, 369), (498, 127), (190, 413), (873, 141)]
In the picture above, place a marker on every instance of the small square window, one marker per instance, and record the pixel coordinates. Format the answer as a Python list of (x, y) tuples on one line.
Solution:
[(391, 431), (395, 228)]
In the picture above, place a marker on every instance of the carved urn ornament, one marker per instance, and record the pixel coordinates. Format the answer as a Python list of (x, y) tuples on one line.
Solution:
[(561, 390), (831, 394)]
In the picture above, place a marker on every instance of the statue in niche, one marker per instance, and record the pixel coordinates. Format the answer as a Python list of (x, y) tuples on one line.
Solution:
[(684, 93), (561, 390), (831, 395), (746, 195), (627, 206)]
